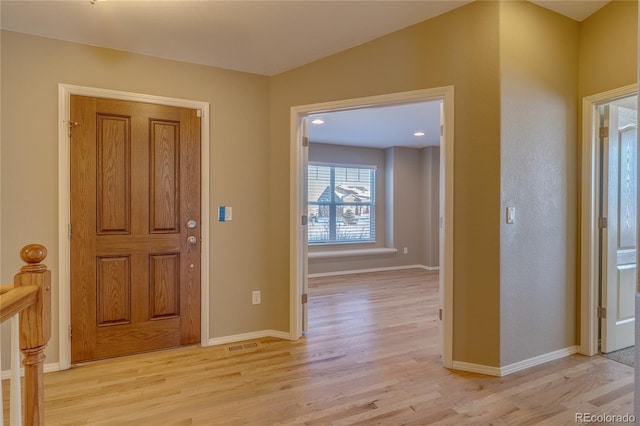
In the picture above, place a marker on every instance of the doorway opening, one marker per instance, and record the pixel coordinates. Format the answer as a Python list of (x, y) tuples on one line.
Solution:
[(299, 214), (609, 221)]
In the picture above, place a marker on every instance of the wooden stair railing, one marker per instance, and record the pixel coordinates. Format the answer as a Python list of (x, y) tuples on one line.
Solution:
[(30, 295)]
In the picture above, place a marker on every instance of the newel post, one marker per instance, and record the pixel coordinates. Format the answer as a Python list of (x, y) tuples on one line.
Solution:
[(35, 330)]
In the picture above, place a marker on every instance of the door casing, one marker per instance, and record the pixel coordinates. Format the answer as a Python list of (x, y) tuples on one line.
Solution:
[(589, 216), (297, 168), (64, 201)]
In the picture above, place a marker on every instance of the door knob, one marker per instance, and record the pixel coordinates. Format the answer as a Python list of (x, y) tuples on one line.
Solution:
[(191, 240)]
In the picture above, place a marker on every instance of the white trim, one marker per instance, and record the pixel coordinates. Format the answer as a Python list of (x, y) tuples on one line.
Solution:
[(248, 336), (64, 215), (537, 360), (446, 184), (589, 217), (516, 366), (476, 368), (55, 366), (363, 271), (325, 254), (48, 368)]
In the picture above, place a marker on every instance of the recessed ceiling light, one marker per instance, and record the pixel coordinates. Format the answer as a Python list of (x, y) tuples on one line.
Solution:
[(418, 134), (318, 121)]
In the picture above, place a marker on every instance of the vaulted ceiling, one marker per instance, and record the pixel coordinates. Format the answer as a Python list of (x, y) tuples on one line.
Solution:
[(263, 37)]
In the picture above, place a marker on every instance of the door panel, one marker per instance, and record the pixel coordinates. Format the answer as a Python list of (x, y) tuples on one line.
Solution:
[(113, 304), (164, 286), (620, 236), (113, 193), (165, 166), (135, 182)]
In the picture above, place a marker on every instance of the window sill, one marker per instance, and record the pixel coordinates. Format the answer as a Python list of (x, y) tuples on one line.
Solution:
[(355, 252)]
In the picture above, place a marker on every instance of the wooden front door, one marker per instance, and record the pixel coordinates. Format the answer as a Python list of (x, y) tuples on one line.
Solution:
[(135, 227)]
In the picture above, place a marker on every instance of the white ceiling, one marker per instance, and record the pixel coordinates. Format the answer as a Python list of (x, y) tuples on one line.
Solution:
[(263, 37), (380, 127), (578, 10)]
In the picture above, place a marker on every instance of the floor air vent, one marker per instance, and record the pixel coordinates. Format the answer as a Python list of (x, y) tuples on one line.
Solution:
[(242, 347), (235, 348)]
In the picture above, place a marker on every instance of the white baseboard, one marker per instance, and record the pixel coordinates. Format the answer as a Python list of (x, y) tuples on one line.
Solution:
[(362, 271), (249, 336), (516, 366), (53, 366), (476, 368), (540, 359)]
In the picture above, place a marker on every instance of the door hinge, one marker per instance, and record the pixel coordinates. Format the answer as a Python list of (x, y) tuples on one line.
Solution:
[(602, 312), (305, 141), (305, 220), (602, 222), (305, 298), (198, 113), (441, 130), (604, 132), (440, 314), (70, 331), (70, 125), (69, 230)]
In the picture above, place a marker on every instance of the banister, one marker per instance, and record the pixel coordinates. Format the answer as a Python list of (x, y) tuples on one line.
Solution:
[(31, 297), (5, 288), (16, 300)]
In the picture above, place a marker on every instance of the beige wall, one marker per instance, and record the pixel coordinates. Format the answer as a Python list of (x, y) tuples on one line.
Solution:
[(250, 126), (408, 206), (32, 67), (608, 48), (608, 60), (539, 68), (496, 150), (459, 48), (431, 199)]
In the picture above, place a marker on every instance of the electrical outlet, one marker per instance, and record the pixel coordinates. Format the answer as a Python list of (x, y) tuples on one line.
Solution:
[(406, 250), (255, 297)]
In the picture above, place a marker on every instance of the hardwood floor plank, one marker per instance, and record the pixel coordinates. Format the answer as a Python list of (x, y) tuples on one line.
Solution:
[(371, 357)]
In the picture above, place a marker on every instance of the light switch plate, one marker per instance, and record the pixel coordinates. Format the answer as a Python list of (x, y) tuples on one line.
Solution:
[(224, 213)]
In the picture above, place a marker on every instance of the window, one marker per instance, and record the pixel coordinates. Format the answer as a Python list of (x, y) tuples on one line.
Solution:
[(341, 203)]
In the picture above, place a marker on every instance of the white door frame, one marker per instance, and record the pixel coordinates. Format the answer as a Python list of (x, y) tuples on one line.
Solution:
[(446, 207), (589, 216), (64, 203)]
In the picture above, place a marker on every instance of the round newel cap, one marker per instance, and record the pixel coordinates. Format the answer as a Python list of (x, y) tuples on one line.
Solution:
[(33, 254)]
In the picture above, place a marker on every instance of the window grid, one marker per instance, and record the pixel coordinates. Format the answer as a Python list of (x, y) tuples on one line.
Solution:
[(341, 203)]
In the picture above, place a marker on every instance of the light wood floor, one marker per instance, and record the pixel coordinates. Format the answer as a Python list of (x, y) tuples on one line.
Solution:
[(371, 357)]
